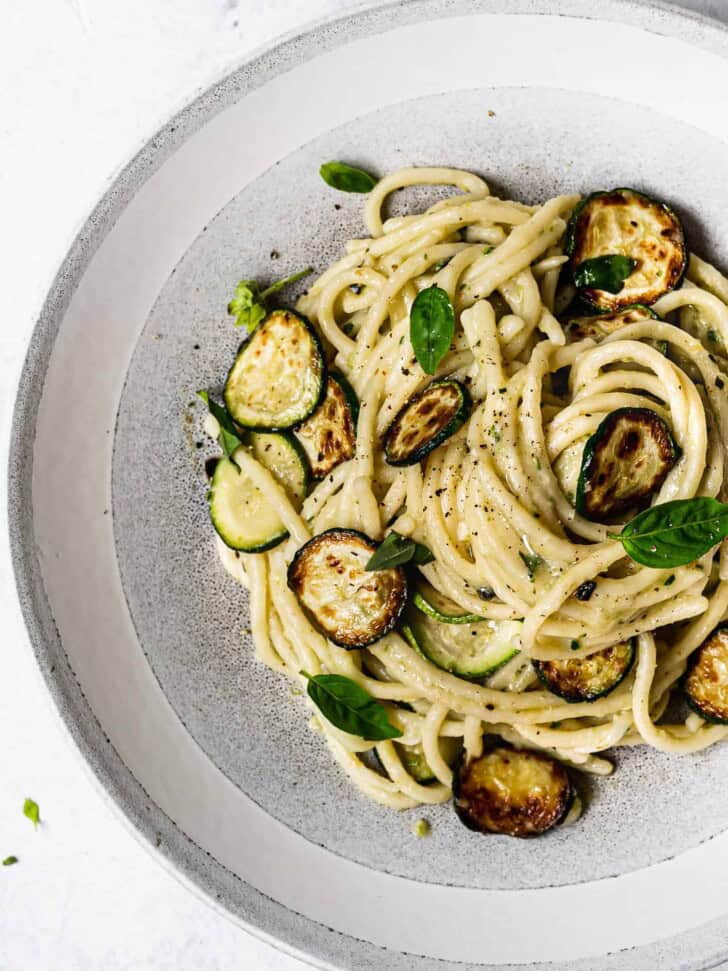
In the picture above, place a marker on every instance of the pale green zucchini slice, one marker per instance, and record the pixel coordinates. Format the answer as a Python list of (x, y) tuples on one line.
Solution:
[(279, 375)]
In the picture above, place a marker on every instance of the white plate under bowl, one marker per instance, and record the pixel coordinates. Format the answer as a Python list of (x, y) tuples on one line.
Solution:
[(139, 633)]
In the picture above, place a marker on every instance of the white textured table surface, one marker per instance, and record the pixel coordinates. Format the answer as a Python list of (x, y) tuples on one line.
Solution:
[(83, 83)]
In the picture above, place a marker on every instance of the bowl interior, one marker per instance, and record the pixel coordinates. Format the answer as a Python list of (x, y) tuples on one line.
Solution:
[(191, 617)]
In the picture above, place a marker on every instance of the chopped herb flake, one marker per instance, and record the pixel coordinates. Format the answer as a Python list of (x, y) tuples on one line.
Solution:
[(32, 811)]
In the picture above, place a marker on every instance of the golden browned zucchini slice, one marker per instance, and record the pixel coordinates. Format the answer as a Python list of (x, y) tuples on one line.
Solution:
[(513, 792), (329, 435), (627, 223), (279, 375), (706, 683), (626, 459), (426, 421), (352, 606), (599, 326), (588, 678)]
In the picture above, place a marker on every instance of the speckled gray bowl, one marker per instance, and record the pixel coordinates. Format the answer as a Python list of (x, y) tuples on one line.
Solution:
[(141, 636)]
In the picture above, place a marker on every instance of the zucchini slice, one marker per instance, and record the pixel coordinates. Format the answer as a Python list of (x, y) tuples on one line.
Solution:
[(279, 375), (513, 792), (329, 435), (471, 651), (414, 761), (588, 678), (628, 223), (350, 605), (626, 459), (281, 454), (706, 682), (600, 326), (243, 518), (426, 421), (439, 607)]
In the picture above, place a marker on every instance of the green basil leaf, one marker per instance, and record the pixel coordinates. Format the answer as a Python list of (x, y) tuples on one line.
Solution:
[(422, 555), (31, 810), (347, 178), (394, 550), (604, 272), (228, 436), (9, 860), (350, 708), (432, 325), (675, 533)]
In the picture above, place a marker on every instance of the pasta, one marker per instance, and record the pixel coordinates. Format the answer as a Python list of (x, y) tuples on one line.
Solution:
[(494, 502)]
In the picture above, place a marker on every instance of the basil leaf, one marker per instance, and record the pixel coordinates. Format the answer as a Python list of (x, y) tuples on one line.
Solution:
[(228, 435), (31, 810), (9, 860), (675, 533), (422, 555), (394, 550), (248, 304), (347, 178), (350, 708), (604, 272), (432, 325)]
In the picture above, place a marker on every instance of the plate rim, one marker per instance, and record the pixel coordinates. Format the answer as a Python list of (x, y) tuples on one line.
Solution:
[(160, 836)]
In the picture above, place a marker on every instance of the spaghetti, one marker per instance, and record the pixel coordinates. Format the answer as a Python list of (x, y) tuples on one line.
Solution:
[(494, 503)]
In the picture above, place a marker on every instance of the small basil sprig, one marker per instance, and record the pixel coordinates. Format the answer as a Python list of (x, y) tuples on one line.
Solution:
[(675, 533), (395, 550), (248, 305), (432, 325), (349, 707), (228, 436), (10, 860), (346, 178), (604, 272)]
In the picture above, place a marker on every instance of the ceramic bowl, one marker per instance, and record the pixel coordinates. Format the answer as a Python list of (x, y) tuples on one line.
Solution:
[(143, 638)]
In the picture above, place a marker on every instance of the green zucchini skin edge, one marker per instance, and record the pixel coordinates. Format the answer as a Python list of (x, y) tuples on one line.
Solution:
[(570, 237), (573, 699), (426, 607), (392, 619), (589, 455), (689, 700), (323, 374), (466, 404)]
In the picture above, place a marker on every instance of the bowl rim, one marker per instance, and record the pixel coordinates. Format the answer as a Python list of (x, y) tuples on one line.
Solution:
[(263, 917)]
